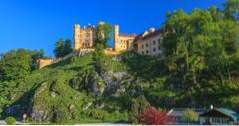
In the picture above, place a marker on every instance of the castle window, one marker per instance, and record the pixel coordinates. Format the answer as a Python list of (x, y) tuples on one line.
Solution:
[(147, 45), (147, 52), (142, 46), (154, 49), (154, 42), (159, 47)]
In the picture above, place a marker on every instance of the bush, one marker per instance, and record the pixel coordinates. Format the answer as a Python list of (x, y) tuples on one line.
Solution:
[(10, 120), (1, 112), (190, 116), (152, 116), (138, 105), (96, 114)]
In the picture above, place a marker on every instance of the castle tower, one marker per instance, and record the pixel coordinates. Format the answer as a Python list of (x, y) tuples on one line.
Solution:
[(77, 41), (116, 37)]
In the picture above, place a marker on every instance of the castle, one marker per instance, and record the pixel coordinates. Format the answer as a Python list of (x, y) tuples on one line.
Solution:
[(147, 43), (84, 38)]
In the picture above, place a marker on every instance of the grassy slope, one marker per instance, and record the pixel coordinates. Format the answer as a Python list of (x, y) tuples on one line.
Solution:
[(48, 89)]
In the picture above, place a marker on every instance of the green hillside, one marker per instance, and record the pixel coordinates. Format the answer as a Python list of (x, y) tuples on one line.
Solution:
[(198, 67), (76, 91), (62, 90)]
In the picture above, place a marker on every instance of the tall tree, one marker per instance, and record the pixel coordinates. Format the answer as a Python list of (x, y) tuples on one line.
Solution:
[(67, 47), (198, 46), (15, 64), (36, 55), (104, 32), (232, 9), (62, 48)]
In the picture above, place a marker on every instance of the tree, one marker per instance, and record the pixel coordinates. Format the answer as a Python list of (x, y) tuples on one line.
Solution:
[(104, 32), (35, 56), (68, 47), (232, 9), (152, 116), (59, 48), (62, 48), (103, 35), (15, 64), (200, 47), (139, 105), (190, 116)]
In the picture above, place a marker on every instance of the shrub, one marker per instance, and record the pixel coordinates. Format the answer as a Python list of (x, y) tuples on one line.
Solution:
[(138, 105), (1, 112), (152, 116), (96, 113), (190, 116), (10, 120)]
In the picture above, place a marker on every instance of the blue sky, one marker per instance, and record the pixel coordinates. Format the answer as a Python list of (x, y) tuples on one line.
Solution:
[(36, 24)]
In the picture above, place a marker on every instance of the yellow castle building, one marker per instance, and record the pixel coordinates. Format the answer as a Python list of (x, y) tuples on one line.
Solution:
[(42, 62), (122, 42), (147, 43), (85, 37)]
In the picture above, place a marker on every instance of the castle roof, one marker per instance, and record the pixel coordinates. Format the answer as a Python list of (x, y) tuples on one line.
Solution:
[(148, 34), (127, 35)]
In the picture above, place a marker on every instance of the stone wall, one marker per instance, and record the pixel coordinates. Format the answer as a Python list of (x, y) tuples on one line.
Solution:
[(44, 62)]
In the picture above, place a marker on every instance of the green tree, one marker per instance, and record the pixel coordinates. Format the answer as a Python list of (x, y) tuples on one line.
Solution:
[(199, 47), (63, 48), (232, 9), (35, 56), (67, 47), (15, 64), (138, 106), (104, 33)]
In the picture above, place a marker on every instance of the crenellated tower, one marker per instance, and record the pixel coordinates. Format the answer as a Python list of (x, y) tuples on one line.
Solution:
[(77, 39), (116, 37), (122, 42)]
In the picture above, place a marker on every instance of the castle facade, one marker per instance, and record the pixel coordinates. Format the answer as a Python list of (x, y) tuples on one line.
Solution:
[(149, 42), (85, 37)]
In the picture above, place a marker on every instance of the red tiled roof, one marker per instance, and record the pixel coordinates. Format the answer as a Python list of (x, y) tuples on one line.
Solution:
[(149, 35), (127, 35)]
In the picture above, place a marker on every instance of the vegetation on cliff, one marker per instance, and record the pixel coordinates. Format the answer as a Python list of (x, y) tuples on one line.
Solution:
[(199, 68)]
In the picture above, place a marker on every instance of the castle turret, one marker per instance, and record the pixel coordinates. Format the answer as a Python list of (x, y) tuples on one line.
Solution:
[(116, 37), (77, 42)]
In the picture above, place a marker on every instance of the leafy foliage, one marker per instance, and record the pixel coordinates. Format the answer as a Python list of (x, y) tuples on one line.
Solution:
[(232, 9), (103, 34), (15, 64), (10, 120), (152, 116), (200, 51), (190, 116), (62, 48), (138, 106)]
